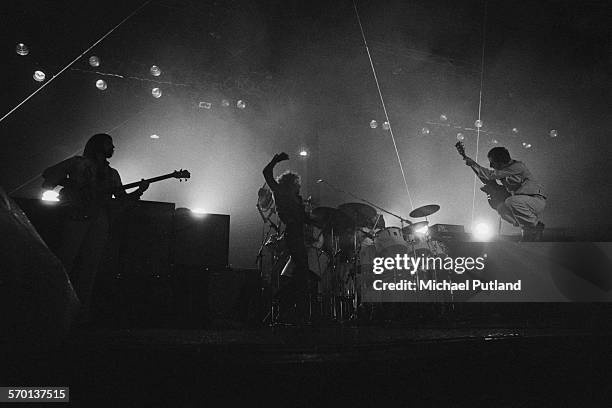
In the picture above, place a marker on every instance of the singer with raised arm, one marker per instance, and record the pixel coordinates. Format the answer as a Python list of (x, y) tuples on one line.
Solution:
[(291, 210)]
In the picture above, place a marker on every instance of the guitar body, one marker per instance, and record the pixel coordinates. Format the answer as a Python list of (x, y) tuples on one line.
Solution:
[(496, 193)]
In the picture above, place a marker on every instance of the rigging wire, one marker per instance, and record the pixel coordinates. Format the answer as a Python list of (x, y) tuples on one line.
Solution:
[(74, 60), (482, 61), (382, 101)]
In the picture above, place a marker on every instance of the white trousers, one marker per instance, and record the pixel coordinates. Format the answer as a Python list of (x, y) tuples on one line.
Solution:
[(522, 210)]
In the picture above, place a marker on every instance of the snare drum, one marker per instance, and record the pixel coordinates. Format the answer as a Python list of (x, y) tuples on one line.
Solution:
[(390, 241)]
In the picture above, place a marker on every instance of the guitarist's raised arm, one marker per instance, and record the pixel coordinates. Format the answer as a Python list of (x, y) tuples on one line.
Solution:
[(509, 169)]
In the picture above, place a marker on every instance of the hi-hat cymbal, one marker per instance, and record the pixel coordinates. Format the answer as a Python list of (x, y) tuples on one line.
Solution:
[(424, 211), (361, 214)]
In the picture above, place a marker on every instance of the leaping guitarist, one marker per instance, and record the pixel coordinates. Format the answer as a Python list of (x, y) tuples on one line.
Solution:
[(520, 199)]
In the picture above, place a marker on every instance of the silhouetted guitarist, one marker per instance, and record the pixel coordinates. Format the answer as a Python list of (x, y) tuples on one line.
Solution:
[(89, 187)]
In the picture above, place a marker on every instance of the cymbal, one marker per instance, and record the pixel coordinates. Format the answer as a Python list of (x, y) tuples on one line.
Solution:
[(331, 217), (424, 211), (360, 213), (412, 228)]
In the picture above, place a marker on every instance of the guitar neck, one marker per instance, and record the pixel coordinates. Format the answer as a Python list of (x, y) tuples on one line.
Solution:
[(151, 180)]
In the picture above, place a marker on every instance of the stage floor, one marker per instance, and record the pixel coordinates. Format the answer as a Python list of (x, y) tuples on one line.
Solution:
[(363, 366)]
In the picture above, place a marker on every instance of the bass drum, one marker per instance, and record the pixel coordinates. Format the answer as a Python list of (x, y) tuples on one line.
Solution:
[(390, 242)]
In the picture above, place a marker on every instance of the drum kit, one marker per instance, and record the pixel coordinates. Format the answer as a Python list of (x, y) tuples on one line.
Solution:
[(342, 243)]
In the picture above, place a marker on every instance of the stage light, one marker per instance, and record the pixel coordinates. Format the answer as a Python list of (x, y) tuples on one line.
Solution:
[(101, 84), (39, 76), (241, 104), (460, 137), (482, 232), (493, 142), (527, 145), (478, 123), (205, 105), (515, 130), (422, 230), (425, 131), (386, 125), (225, 103), (303, 153), (22, 49), (443, 118), (94, 61), (156, 92), (373, 124), (50, 195), (155, 71), (198, 211), (154, 137), (553, 133)]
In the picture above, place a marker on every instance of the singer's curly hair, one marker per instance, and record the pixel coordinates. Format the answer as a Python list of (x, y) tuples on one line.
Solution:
[(288, 178)]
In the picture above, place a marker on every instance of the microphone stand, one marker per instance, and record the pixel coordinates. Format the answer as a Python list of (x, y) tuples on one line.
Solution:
[(339, 190)]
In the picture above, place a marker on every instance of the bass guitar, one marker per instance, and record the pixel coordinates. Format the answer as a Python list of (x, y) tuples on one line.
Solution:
[(84, 202)]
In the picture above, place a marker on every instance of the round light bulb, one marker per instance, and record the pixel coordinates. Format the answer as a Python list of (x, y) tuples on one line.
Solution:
[(101, 84), (22, 49), (39, 76), (94, 61), (155, 71)]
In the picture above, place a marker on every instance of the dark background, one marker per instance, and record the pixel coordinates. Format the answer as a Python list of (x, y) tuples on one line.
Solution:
[(304, 73)]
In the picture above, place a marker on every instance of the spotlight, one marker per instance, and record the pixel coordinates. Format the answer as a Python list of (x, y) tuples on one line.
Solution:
[(478, 123), (482, 232), (101, 84), (156, 92), (493, 142), (154, 137), (422, 230), (94, 61), (198, 211), (373, 124), (241, 104), (553, 133), (527, 145), (515, 130), (460, 137), (205, 105), (386, 125), (50, 195), (22, 49), (443, 118), (39, 76), (303, 153), (155, 71), (225, 103), (425, 131)]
